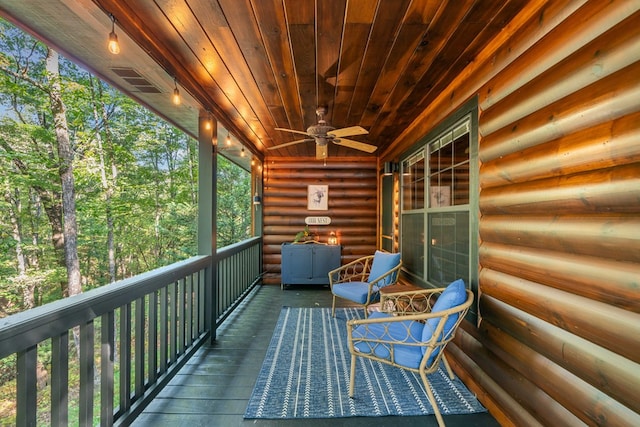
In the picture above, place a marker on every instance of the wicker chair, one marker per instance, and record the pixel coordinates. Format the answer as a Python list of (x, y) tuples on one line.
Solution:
[(411, 332), (361, 280)]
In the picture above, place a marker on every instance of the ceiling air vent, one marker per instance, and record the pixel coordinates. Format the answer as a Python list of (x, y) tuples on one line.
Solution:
[(136, 80)]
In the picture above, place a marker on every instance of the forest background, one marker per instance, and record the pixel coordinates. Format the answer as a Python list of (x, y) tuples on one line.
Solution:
[(94, 187)]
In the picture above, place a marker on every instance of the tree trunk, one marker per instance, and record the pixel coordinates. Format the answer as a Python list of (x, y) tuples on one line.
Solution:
[(106, 155), (28, 287), (65, 154)]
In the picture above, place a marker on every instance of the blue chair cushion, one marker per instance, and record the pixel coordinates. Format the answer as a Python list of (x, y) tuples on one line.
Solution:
[(383, 262), (355, 291), (454, 295), (408, 331)]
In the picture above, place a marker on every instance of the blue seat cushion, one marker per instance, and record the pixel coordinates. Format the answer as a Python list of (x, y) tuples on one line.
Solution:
[(454, 295), (408, 331), (355, 291), (382, 263)]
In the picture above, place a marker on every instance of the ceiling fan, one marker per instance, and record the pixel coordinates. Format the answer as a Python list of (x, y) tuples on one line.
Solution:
[(322, 134)]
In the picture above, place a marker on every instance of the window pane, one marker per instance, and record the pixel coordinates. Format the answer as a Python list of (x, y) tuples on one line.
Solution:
[(460, 174), (449, 247), (413, 186), (413, 243), (449, 169)]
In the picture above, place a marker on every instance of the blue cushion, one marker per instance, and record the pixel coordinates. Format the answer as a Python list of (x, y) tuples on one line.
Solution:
[(383, 262), (406, 331), (454, 295), (354, 291)]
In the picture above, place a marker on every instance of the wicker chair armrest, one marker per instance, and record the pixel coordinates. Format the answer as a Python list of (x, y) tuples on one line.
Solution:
[(357, 270), (409, 302), (382, 279)]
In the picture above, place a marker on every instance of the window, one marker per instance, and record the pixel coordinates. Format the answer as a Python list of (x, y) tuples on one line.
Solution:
[(439, 204)]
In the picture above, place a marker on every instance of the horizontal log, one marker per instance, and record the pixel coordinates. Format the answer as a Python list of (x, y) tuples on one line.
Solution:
[(502, 405), (273, 195), (336, 221), (296, 163), (610, 327), (301, 212), (349, 246), (327, 174), (322, 231), (604, 145), (553, 45), (608, 281), (608, 99), (518, 397), (368, 202), (583, 400), (607, 190), (606, 236), (610, 52), (292, 182), (603, 369)]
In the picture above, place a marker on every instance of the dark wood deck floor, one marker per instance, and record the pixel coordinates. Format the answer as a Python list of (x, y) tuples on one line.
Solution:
[(214, 387)]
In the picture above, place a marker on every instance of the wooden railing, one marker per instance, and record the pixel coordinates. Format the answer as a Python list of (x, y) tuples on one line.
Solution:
[(131, 337)]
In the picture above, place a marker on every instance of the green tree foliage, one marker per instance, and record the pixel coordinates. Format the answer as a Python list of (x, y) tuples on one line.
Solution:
[(234, 203), (135, 187), (135, 178)]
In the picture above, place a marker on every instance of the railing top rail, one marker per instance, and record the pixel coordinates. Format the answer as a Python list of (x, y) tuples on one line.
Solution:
[(26, 329), (233, 249)]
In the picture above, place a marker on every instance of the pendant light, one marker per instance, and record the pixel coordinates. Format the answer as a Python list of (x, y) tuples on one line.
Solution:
[(114, 46), (176, 93)]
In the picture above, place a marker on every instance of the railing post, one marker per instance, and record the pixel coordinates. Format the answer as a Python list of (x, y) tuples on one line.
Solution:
[(207, 207), (26, 387), (60, 380), (107, 362)]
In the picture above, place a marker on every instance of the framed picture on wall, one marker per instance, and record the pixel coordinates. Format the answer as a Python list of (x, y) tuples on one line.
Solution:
[(318, 197)]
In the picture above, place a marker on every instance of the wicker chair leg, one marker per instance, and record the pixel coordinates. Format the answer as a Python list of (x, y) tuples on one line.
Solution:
[(352, 378), (446, 365), (333, 307), (432, 399)]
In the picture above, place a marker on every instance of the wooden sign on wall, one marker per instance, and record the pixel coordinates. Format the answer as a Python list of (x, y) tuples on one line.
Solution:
[(317, 220)]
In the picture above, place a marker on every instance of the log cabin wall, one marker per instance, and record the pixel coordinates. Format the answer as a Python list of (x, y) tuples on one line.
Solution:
[(352, 205), (558, 343)]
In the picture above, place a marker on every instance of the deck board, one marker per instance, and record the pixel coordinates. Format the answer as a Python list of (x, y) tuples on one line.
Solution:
[(214, 387)]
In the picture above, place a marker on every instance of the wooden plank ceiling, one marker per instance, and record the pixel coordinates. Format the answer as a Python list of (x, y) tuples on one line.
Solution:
[(259, 65)]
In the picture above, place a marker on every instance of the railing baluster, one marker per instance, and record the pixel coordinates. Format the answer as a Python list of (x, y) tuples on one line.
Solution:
[(139, 347), (173, 325), (188, 311), (201, 301), (181, 318), (164, 337), (87, 367), (60, 380), (107, 359), (26, 387), (153, 337), (176, 308), (125, 357)]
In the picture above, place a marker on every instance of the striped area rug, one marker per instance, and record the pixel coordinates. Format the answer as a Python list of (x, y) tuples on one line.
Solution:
[(305, 374)]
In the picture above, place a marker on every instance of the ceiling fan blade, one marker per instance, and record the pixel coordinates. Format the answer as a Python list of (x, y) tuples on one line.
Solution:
[(286, 144), (350, 131), (355, 145), (293, 131), (322, 151)]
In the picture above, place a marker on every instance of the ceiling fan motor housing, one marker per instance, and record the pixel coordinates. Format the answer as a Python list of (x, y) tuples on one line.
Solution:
[(319, 130)]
